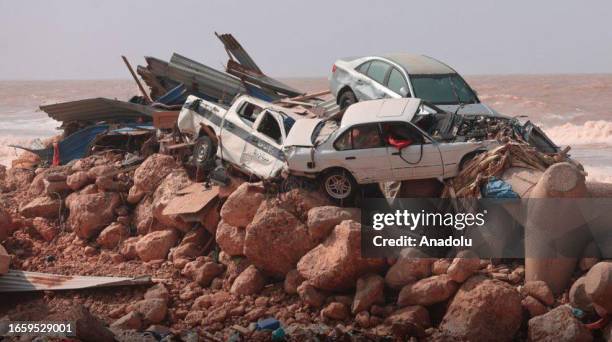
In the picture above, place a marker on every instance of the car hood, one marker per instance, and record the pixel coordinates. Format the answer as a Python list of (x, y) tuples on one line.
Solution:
[(473, 109), (301, 133)]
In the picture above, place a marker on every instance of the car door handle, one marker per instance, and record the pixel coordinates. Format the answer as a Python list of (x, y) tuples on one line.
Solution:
[(396, 153), (350, 158)]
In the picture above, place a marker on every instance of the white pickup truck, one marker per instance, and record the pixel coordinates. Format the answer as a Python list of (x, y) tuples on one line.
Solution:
[(250, 134)]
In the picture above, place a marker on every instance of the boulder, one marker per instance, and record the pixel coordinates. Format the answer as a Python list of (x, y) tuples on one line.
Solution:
[(336, 264), (578, 297), (409, 321), (427, 291), (100, 170), (483, 310), (275, 241), (540, 291), (310, 295), (87, 326), (46, 229), (241, 206), (598, 285), (128, 248), (111, 236), (143, 218), (302, 200), (207, 272), (131, 320), (463, 266), (293, 279), (156, 245), (369, 291), (559, 324), (89, 214), (336, 311), (45, 206), (18, 178), (152, 171), (152, 310), (533, 306), (230, 238), (251, 281), (233, 184), (54, 188), (108, 183), (165, 192), (158, 291), (322, 220), (411, 266), (78, 180), (440, 266)]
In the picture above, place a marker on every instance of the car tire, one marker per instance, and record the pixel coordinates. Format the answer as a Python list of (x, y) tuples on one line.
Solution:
[(204, 153), (346, 99), (339, 185)]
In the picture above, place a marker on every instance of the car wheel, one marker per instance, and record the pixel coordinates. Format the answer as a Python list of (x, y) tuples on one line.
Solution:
[(339, 185), (204, 153), (346, 99)]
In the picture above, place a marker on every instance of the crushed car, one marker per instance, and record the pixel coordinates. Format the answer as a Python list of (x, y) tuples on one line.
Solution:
[(381, 141), (249, 135), (399, 75)]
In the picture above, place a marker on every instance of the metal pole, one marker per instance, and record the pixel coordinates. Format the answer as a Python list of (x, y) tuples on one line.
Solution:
[(144, 93)]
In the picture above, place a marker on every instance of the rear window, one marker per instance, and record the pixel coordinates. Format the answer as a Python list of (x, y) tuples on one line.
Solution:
[(442, 89), (363, 68)]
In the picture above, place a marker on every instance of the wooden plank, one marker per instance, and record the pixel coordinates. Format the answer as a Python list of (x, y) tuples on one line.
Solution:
[(191, 200)]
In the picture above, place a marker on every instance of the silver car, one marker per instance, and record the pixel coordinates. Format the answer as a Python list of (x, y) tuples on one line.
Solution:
[(404, 75)]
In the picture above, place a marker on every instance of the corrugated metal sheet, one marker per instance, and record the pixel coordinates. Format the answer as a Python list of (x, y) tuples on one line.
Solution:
[(261, 80), (235, 49), (97, 109), (202, 78), (23, 281)]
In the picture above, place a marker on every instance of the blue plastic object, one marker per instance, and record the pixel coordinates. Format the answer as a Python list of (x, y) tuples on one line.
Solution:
[(497, 188), (268, 324), (278, 334)]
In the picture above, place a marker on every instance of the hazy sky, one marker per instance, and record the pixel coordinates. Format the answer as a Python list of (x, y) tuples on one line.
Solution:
[(83, 39)]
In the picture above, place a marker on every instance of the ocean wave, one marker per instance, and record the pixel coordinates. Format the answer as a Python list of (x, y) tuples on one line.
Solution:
[(7, 153), (591, 132), (599, 173)]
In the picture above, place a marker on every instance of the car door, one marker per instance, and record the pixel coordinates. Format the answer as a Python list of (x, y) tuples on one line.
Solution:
[(263, 154), (370, 84), (361, 150), (234, 132), (419, 160)]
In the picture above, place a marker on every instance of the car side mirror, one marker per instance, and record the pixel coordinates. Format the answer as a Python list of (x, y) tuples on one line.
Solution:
[(403, 91)]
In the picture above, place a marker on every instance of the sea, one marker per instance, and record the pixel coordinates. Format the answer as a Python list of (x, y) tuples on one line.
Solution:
[(574, 110)]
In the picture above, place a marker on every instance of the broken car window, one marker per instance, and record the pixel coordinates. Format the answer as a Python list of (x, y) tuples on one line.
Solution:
[(366, 136), (269, 127), (378, 71), (396, 82), (442, 89), (249, 112)]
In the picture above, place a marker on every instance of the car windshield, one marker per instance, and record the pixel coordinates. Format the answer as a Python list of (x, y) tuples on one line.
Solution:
[(442, 89)]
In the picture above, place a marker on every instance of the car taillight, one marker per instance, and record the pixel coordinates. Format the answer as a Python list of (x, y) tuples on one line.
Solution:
[(333, 68)]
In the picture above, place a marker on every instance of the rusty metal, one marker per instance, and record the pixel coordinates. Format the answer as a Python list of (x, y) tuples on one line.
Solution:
[(24, 281), (261, 80), (235, 50), (97, 109)]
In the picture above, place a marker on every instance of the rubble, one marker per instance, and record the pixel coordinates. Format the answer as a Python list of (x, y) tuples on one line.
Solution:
[(558, 325)]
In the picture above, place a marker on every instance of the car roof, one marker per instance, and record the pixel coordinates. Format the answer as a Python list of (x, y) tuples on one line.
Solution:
[(419, 64), (402, 109)]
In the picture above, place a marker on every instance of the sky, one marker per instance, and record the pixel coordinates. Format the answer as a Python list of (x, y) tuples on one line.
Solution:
[(84, 39)]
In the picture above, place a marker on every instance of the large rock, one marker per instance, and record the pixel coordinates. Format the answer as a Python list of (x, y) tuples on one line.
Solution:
[(310, 295), (45, 206), (336, 264), (46, 229), (558, 324), (143, 216), (249, 282), (275, 241), (409, 321), (230, 238), (152, 310), (578, 297), (207, 272), (89, 214), (165, 192), (322, 220), (112, 235), (87, 327), (483, 310), (150, 174), (598, 285), (78, 180), (427, 291), (540, 291), (241, 206), (370, 290), (463, 266), (411, 266), (301, 201), (156, 245), (293, 279)]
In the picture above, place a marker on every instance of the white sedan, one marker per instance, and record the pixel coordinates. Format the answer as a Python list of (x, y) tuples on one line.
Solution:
[(377, 141)]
